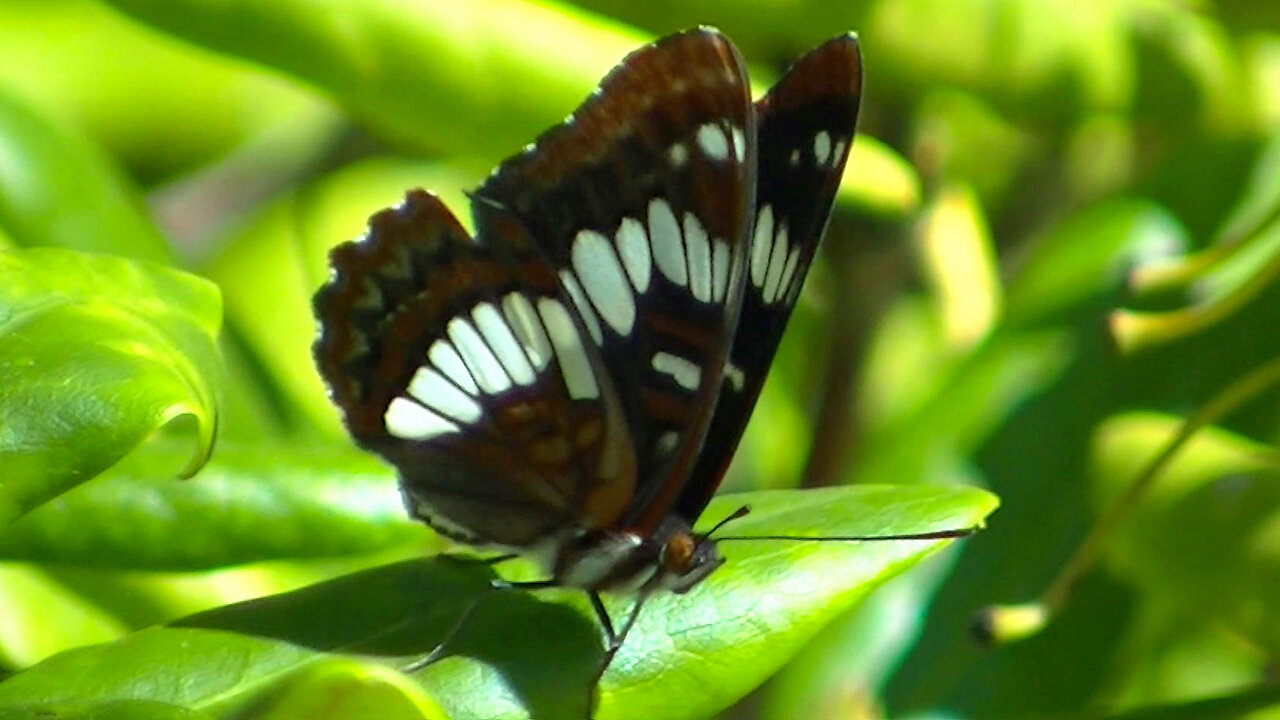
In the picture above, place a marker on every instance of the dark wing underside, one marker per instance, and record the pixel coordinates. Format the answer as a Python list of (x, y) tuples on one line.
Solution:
[(461, 364), (641, 200), (806, 126), (557, 372)]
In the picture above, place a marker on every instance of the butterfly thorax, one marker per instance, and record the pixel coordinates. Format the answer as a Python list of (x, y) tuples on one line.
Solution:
[(673, 558)]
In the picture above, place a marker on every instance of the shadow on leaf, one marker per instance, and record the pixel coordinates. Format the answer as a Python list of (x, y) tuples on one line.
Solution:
[(543, 652)]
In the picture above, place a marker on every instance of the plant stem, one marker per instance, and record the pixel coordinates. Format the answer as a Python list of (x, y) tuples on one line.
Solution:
[(1220, 405)]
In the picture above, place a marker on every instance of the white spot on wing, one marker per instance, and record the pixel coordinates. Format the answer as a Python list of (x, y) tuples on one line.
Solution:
[(409, 420), (503, 343), (686, 374), (579, 378), (584, 308), (430, 388), (739, 144), (678, 154), (668, 248), (480, 361), (450, 363), (603, 279), (719, 269), (524, 322), (761, 244), (695, 238), (794, 160), (795, 291), (776, 261), (633, 248), (667, 442), (734, 376), (838, 153), (712, 140), (788, 273), (822, 146)]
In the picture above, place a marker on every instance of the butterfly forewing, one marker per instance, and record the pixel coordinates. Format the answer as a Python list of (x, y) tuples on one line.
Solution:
[(461, 363), (641, 199), (805, 129)]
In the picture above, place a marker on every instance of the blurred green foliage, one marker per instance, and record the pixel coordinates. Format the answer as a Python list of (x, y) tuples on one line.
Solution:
[(1057, 242)]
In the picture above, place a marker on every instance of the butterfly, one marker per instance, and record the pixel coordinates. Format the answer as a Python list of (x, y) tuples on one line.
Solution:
[(571, 383)]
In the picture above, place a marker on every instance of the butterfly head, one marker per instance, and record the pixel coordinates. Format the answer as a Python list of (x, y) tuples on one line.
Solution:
[(686, 559), (672, 558)]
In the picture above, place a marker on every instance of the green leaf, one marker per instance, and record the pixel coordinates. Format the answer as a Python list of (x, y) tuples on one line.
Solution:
[(115, 710), (42, 618), (340, 689), (879, 181), (477, 79), (525, 654), (159, 107), (250, 503), (1045, 59), (1223, 278), (959, 262), (847, 665), (96, 353), (1124, 444), (963, 399), (1202, 543), (57, 189), (486, 75), (1088, 256)]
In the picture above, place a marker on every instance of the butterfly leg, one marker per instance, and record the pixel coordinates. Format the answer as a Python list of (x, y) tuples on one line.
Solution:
[(614, 640), (495, 585), (465, 560)]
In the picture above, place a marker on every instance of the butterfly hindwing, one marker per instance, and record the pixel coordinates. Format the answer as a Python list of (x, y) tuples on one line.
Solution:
[(461, 364), (805, 129), (641, 200)]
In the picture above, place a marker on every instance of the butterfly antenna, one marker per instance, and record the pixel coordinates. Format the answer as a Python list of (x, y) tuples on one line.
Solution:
[(933, 535), (739, 513)]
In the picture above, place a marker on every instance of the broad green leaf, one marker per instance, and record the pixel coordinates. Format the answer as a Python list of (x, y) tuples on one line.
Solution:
[(1124, 444), (523, 654), (961, 138), (1203, 538), (878, 180), (842, 672), (1189, 69), (959, 262), (1046, 59), (1180, 660), (141, 598), (478, 80), (1260, 700), (760, 28), (56, 188), (250, 503), (966, 397), (113, 710), (346, 690), (42, 618), (1088, 255), (96, 353), (194, 669), (482, 77), (159, 106)]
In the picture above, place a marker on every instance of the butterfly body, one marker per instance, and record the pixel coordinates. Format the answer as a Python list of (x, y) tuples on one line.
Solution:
[(572, 382)]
